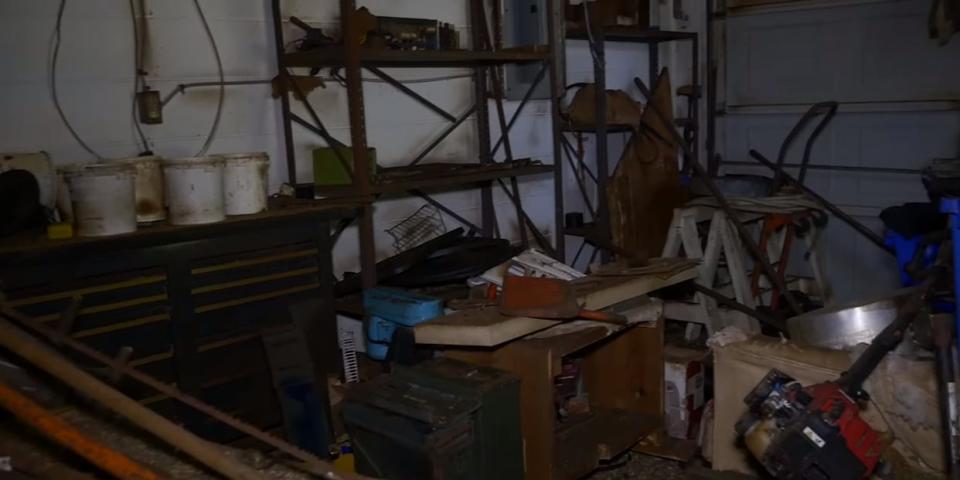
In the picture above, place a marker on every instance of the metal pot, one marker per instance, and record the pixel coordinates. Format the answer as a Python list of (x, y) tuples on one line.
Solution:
[(844, 326)]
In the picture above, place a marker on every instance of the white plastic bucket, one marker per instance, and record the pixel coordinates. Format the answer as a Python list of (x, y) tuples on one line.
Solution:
[(148, 188), (245, 183), (103, 198), (194, 189)]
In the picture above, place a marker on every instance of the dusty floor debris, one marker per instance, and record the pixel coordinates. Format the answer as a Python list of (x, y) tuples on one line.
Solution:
[(639, 466)]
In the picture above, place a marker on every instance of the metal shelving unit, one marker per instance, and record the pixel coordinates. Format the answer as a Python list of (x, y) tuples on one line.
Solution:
[(483, 59), (598, 232)]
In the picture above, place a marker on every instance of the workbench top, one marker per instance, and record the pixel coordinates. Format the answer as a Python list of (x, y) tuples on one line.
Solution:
[(487, 327), (34, 243)]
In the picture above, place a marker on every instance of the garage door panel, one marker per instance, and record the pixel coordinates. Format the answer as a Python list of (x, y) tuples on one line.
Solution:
[(856, 267), (784, 57), (892, 139), (901, 140), (867, 53)]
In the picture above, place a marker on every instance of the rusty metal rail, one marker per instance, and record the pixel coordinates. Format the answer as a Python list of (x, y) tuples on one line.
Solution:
[(104, 457), (315, 465)]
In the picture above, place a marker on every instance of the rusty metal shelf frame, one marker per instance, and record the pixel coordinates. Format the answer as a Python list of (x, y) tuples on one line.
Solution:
[(598, 233), (334, 56), (433, 180), (483, 59)]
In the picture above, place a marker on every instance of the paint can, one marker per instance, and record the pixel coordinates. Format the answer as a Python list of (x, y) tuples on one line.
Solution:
[(103, 198), (148, 188), (194, 189), (245, 182)]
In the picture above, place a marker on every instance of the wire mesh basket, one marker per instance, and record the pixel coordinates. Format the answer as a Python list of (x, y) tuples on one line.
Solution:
[(424, 224)]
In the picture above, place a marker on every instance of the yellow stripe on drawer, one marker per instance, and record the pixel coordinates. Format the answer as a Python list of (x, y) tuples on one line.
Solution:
[(121, 326), (253, 280), (109, 307), (152, 358), (256, 298), (253, 261), (133, 282), (227, 341)]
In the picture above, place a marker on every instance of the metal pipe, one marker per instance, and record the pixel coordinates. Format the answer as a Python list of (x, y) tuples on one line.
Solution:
[(808, 148), (443, 135), (541, 239), (66, 435), (580, 184), (943, 335), (410, 93), (697, 95), (745, 235), (22, 344), (184, 86), (830, 110), (859, 227), (576, 258), (321, 128), (602, 219), (487, 211), (555, 32), (523, 103), (322, 132), (51, 362), (284, 99), (358, 139), (711, 93), (583, 166), (838, 168), (507, 148), (731, 303), (473, 227)]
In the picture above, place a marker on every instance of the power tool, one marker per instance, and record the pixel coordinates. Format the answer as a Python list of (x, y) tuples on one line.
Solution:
[(816, 432)]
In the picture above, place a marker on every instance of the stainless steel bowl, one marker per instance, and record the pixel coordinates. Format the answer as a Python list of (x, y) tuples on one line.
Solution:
[(844, 326)]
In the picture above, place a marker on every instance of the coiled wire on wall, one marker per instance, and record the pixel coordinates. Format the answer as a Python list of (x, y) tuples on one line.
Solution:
[(138, 56), (54, 58), (216, 55)]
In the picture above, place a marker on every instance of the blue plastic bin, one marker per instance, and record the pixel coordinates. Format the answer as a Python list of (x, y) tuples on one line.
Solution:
[(389, 309)]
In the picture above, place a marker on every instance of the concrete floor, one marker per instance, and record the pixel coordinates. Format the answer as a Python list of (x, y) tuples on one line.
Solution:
[(639, 466)]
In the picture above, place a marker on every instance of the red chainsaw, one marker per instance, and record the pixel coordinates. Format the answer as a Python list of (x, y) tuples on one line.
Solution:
[(816, 432)]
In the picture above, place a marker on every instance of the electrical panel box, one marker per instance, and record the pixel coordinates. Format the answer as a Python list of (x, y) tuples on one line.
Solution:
[(525, 24)]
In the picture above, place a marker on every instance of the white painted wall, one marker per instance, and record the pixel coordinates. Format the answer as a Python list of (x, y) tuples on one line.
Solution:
[(96, 85), (898, 95)]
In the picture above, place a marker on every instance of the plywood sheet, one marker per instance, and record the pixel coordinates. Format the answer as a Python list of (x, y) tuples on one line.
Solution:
[(645, 187), (487, 327)]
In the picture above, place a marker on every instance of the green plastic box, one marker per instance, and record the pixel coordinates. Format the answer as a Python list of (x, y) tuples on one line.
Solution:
[(328, 171)]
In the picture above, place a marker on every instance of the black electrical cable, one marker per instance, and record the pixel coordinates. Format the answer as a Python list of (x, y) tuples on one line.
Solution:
[(216, 54), (55, 55), (138, 81)]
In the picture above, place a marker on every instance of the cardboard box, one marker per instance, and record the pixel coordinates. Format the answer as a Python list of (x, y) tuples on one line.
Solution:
[(684, 394)]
